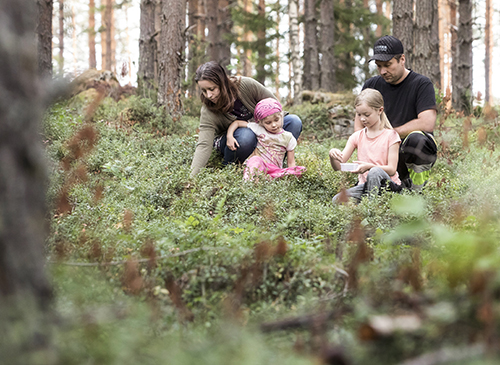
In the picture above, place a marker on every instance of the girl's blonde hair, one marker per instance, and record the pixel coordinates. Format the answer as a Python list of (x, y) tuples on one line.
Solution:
[(374, 99)]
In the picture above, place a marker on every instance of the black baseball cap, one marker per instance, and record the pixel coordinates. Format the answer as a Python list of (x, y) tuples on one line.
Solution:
[(386, 48)]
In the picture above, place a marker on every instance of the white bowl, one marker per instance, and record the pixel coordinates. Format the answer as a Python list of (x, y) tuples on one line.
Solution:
[(348, 166)]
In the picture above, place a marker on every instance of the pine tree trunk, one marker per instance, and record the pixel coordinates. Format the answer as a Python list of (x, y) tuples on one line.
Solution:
[(328, 80), (192, 44), (197, 40), (453, 50), (170, 58), (296, 79), (25, 292), (247, 37), (378, 5), (103, 35), (488, 47), (158, 25), (61, 37), (225, 25), (444, 45), (213, 36), (462, 88), (44, 37), (92, 54), (147, 49), (311, 55), (426, 37), (106, 35), (402, 27), (201, 20), (111, 36), (261, 45)]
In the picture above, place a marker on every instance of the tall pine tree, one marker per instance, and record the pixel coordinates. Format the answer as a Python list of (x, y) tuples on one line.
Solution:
[(462, 87), (170, 57)]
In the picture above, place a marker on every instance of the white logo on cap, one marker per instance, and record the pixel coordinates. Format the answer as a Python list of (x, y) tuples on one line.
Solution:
[(380, 49)]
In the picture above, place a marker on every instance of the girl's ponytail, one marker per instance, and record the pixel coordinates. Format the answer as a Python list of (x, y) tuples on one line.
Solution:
[(385, 121)]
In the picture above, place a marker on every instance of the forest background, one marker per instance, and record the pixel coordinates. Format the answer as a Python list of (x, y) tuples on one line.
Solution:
[(72, 31), (111, 253)]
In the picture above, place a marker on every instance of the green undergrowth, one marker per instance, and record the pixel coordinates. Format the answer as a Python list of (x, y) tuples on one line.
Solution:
[(187, 270)]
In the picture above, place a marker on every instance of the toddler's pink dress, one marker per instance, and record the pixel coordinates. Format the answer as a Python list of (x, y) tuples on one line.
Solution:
[(267, 158)]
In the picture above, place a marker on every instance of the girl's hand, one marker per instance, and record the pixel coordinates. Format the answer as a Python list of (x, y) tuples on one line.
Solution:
[(336, 154), (232, 143), (363, 167), (335, 158)]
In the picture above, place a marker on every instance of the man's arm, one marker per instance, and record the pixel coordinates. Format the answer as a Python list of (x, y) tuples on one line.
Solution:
[(426, 121)]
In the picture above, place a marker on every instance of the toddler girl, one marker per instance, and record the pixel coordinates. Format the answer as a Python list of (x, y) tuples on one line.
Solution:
[(377, 144), (273, 142)]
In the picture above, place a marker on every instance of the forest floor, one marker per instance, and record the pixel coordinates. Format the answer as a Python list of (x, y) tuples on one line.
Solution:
[(151, 266)]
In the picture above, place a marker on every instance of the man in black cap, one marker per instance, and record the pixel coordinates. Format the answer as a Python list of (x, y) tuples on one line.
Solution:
[(410, 105)]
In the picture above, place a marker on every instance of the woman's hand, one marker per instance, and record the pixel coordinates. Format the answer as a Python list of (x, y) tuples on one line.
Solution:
[(232, 143)]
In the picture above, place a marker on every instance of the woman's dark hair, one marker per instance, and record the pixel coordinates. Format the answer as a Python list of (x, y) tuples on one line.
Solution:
[(212, 71)]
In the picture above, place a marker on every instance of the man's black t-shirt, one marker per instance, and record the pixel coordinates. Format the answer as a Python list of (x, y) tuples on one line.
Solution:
[(404, 101)]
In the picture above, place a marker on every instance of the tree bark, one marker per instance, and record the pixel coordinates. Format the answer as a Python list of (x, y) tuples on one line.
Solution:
[(213, 34), (147, 49), (453, 47), (311, 54), (426, 37), (196, 41), (107, 35), (158, 22), (201, 20), (328, 80), (192, 44), (462, 89), (171, 56), (402, 27), (110, 35), (378, 5), (25, 292), (296, 79), (103, 34), (224, 25), (44, 37), (92, 54), (247, 37), (61, 37), (488, 47)]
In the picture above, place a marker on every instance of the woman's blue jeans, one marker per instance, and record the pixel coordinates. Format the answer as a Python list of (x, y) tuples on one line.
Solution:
[(248, 140)]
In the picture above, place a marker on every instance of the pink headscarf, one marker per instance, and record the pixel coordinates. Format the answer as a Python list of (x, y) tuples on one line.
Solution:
[(265, 108)]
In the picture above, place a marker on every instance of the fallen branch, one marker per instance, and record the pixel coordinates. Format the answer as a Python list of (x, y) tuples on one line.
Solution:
[(123, 262)]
